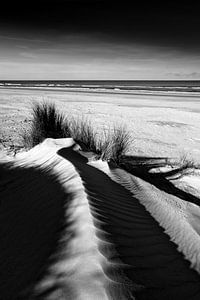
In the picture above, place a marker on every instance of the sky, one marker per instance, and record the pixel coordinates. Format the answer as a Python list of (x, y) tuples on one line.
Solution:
[(97, 39)]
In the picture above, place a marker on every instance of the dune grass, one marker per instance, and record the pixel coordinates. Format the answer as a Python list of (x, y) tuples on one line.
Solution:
[(48, 122), (82, 131), (115, 143), (181, 167)]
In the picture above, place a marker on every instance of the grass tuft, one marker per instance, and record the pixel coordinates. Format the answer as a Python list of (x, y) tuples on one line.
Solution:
[(115, 143), (82, 131), (183, 166), (46, 122), (121, 141)]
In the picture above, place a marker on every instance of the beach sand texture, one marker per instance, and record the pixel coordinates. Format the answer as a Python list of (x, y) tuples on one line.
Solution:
[(73, 229), (160, 125)]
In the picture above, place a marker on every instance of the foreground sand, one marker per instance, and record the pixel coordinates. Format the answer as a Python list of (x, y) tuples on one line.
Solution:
[(74, 229), (160, 125)]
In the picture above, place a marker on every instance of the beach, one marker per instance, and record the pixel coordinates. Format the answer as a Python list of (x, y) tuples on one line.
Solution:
[(161, 125), (76, 227), (99, 150)]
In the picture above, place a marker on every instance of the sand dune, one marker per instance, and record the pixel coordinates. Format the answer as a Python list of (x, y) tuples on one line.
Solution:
[(73, 229), (65, 262), (179, 218)]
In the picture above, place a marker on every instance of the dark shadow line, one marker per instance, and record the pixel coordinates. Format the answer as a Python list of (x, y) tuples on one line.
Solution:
[(141, 167), (32, 221), (156, 273)]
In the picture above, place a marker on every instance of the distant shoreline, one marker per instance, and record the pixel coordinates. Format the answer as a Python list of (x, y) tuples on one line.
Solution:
[(107, 91)]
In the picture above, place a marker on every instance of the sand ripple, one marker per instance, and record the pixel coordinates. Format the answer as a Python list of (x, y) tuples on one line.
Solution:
[(77, 230)]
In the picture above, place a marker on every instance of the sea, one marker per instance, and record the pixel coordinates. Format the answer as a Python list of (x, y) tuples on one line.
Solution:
[(115, 86)]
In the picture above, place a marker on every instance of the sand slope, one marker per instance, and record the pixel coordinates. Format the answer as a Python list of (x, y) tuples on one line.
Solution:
[(77, 230), (49, 238), (152, 259)]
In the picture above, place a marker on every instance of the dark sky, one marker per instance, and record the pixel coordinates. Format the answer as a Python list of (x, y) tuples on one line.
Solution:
[(98, 39)]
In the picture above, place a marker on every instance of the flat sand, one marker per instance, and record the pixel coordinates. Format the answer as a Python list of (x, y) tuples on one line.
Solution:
[(79, 230), (161, 125)]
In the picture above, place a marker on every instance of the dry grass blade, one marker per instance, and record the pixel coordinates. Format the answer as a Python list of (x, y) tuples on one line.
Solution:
[(83, 133), (121, 142), (46, 122), (114, 143)]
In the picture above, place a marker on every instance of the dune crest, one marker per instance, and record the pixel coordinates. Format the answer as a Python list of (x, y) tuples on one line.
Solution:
[(77, 269), (118, 238)]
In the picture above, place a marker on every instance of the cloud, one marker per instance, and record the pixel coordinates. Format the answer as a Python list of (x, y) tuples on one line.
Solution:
[(28, 55), (23, 39), (89, 54), (189, 75)]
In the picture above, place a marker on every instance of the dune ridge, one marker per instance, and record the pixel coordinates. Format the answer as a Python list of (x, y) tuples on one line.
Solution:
[(178, 218), (31, 219), (149, 259), (120, 238), (78, 268)]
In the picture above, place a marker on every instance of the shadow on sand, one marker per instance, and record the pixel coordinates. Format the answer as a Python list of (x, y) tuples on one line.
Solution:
[(151, 259), (140, 167), (31, 222)]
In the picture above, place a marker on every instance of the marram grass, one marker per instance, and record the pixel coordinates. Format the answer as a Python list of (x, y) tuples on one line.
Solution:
[(48, 122)]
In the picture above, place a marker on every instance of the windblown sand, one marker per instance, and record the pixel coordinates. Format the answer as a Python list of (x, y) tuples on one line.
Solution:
[(78, 230), (160, 125)]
